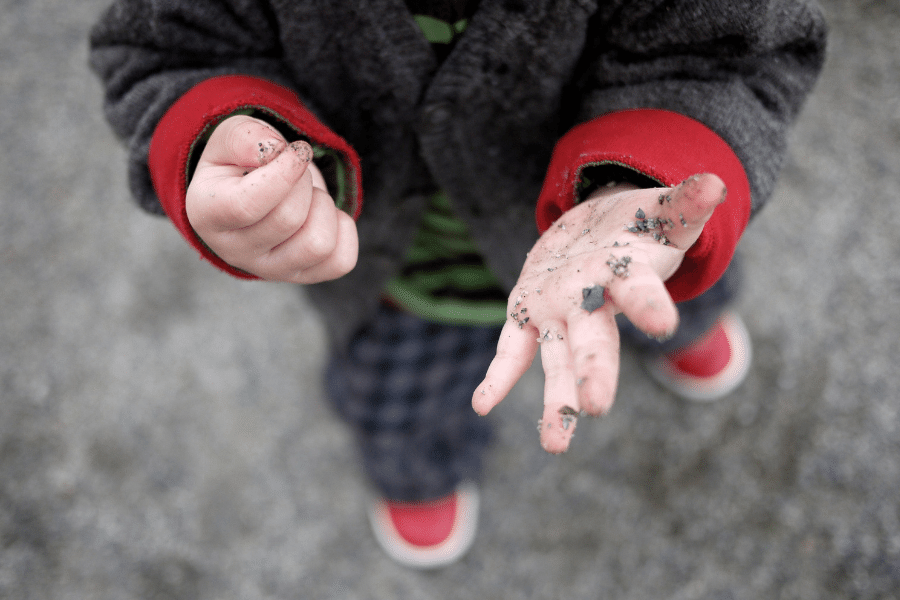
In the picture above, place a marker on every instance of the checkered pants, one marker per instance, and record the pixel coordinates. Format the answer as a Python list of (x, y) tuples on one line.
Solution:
[(405, 386)]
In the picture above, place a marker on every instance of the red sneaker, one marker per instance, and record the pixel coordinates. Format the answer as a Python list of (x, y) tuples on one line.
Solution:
[(427, 535), (712, 366)]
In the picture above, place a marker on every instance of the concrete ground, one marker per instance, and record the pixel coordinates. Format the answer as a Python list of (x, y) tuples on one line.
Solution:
[(162, 433)]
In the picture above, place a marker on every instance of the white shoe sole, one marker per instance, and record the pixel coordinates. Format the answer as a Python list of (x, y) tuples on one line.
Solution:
[(709, 389), (447, 552)]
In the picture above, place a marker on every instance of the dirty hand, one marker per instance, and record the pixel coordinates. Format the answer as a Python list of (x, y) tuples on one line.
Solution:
[(609, 254), (262, 206)]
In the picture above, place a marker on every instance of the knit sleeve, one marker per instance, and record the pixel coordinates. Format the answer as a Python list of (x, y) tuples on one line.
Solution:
[(172, 70), (678, 88), (203, 107)]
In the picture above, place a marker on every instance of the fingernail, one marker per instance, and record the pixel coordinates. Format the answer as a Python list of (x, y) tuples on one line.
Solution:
[(267, 150), (302, 150), (568, 417)]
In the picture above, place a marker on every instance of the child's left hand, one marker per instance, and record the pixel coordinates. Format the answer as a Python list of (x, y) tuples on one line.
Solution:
[(609, 254)]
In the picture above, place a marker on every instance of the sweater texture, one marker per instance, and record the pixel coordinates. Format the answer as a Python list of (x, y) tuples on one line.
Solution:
[(531, 94)]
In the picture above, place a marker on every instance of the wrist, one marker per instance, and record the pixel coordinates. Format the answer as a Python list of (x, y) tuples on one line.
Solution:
[(611, 188)]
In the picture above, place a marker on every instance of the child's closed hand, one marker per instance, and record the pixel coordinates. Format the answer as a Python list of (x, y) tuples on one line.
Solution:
[(262, 206), (607, 255)]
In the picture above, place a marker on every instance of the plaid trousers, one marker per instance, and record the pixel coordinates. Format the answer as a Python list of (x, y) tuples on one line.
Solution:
[(405, 386)]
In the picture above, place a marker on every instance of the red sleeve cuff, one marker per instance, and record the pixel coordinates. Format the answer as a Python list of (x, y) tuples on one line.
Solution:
[(669, 148), (204, 105)]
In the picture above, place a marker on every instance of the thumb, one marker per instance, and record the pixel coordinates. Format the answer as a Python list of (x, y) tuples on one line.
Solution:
[(256, 194), (689, 205), (244, 142)]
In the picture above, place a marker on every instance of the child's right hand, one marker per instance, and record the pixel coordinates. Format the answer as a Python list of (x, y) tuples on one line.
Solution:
[(611, 253), (262, 206)]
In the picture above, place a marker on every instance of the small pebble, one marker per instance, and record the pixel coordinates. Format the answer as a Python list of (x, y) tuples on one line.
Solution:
[(593, 298)]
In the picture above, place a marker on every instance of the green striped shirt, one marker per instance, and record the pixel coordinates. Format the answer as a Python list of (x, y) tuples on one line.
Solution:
[(445, 278)]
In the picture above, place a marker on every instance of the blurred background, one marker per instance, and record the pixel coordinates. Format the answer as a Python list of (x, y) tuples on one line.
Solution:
[(162, 433)]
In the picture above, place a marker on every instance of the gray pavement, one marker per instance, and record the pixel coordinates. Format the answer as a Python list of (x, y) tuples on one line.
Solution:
[(162, 433)]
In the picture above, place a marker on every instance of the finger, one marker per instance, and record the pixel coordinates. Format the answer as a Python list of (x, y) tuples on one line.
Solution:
[(689, 205), (515, 353), (245, 201), (283, 221), (242, 141), (643, 298), (341, 261), (594, 344), (314, 241), (318, 180), (561, 405)]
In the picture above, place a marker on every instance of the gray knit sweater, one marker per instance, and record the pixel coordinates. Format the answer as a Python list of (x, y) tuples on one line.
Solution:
[(483, 124)]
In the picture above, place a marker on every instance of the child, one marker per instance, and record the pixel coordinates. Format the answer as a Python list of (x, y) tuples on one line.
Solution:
[(640, 135)]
